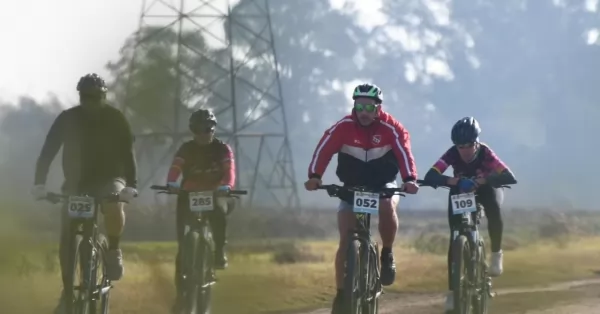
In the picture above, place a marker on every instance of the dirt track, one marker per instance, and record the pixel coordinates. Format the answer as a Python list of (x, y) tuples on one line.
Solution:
[(420, 303)]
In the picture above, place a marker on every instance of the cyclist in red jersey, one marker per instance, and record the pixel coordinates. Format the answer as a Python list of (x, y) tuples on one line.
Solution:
[(372, 149), (205, 163), (476, 168)]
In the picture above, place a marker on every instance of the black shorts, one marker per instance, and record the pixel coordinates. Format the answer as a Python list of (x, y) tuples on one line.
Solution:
[(95, 189)]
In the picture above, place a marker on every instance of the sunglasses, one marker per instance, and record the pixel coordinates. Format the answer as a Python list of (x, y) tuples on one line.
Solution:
[(365, 107), (203, 129)]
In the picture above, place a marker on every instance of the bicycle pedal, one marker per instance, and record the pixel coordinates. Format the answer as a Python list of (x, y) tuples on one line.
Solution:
[(492, 294)]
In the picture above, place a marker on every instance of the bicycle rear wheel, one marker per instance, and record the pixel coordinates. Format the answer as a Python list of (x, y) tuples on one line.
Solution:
[(461, 256), (352, 279)]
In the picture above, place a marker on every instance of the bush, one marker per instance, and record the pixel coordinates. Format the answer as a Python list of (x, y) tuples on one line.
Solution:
[(292, 253), (432, 243)]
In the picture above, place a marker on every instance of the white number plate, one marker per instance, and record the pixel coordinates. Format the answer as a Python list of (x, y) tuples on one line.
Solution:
[(463, 203), (81, 207), (201, 201), (365, 202)]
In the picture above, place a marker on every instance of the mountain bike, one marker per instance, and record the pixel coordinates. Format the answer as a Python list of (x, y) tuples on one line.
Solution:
[(471, 283), (198, 273), (87, 251), (362, 284)]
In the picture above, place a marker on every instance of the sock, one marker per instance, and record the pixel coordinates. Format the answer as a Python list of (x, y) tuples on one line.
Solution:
[(385, 251), (113, 243)]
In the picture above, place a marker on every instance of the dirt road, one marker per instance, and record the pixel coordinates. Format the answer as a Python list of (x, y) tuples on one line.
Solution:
[(588, 298)]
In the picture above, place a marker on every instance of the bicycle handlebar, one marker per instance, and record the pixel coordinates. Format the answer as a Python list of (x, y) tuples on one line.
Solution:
[(55, 198), (165, 189), (446, 186), (334, 189)]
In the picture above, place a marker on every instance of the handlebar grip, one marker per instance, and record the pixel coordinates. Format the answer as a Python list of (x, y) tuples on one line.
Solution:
[(159, 187), (238, 192)]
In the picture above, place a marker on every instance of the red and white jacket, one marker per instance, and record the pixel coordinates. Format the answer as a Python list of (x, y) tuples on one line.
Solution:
[(369, 156)]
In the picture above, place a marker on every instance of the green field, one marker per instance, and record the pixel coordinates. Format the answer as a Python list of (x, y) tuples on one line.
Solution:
[(269, 274), (256, 283)]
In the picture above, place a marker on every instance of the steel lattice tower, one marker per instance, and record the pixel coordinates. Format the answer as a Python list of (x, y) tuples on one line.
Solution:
[(243, 88)]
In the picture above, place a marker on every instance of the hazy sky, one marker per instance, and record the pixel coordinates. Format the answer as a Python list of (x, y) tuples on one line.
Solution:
[(53, 43), (48, 45)]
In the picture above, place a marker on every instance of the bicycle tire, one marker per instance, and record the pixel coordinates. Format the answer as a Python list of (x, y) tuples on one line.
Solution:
[(104, 297), (481, 300), (352, 279), (373, 284), (72, 301), (205, 270), (87, 304), (189, 269), (461, 256)]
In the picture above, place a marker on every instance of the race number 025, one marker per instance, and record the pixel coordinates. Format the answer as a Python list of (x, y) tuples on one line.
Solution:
[(81, 207)]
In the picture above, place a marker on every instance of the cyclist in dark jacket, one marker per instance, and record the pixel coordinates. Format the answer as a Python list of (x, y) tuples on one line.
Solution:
[(98, 159), (476, 169), (372, 148)]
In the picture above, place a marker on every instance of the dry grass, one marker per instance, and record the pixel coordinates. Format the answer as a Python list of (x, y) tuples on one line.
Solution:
[(254, 283), (267, 275)]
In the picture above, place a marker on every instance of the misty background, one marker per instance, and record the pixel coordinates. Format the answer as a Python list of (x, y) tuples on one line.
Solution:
[(527, 70)]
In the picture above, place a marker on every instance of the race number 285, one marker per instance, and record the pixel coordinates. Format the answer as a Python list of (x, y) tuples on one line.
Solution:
[(201, 201)]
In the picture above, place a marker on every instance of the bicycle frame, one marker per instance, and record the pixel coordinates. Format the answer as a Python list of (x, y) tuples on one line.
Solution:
[(88, 230), (469, 227), (369, 288), (198, 243)]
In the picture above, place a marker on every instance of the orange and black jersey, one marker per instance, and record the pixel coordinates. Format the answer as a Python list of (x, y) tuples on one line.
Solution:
[(203, 166)]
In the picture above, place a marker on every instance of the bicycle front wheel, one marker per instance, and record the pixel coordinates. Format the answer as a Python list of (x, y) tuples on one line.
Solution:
[(461, 256), (103, 287), (373, 284), (72, 291), (483, 283), (204, 269), (190, 274), (352, 279)]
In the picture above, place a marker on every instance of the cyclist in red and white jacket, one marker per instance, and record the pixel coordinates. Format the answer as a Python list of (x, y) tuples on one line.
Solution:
[(372, 149)]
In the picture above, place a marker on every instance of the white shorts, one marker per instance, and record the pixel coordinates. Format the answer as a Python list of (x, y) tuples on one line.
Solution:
[(347, 206)]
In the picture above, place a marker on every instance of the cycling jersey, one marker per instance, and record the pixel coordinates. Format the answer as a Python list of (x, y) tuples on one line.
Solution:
[(97, 147), (485, 162), (370, 156), (203, 166)]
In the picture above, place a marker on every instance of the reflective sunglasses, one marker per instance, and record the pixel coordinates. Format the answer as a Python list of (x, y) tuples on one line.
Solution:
[(365, 107)]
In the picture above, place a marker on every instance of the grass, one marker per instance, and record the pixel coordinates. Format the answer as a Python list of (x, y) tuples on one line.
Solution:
[(254, 283), (277, 275)]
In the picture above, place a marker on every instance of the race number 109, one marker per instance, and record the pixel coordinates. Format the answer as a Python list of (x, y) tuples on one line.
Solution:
[(462, 203)]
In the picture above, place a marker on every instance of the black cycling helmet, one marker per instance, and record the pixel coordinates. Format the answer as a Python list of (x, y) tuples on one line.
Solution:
[(369, 91), (465, 131), (202, 121), (91, 84)]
